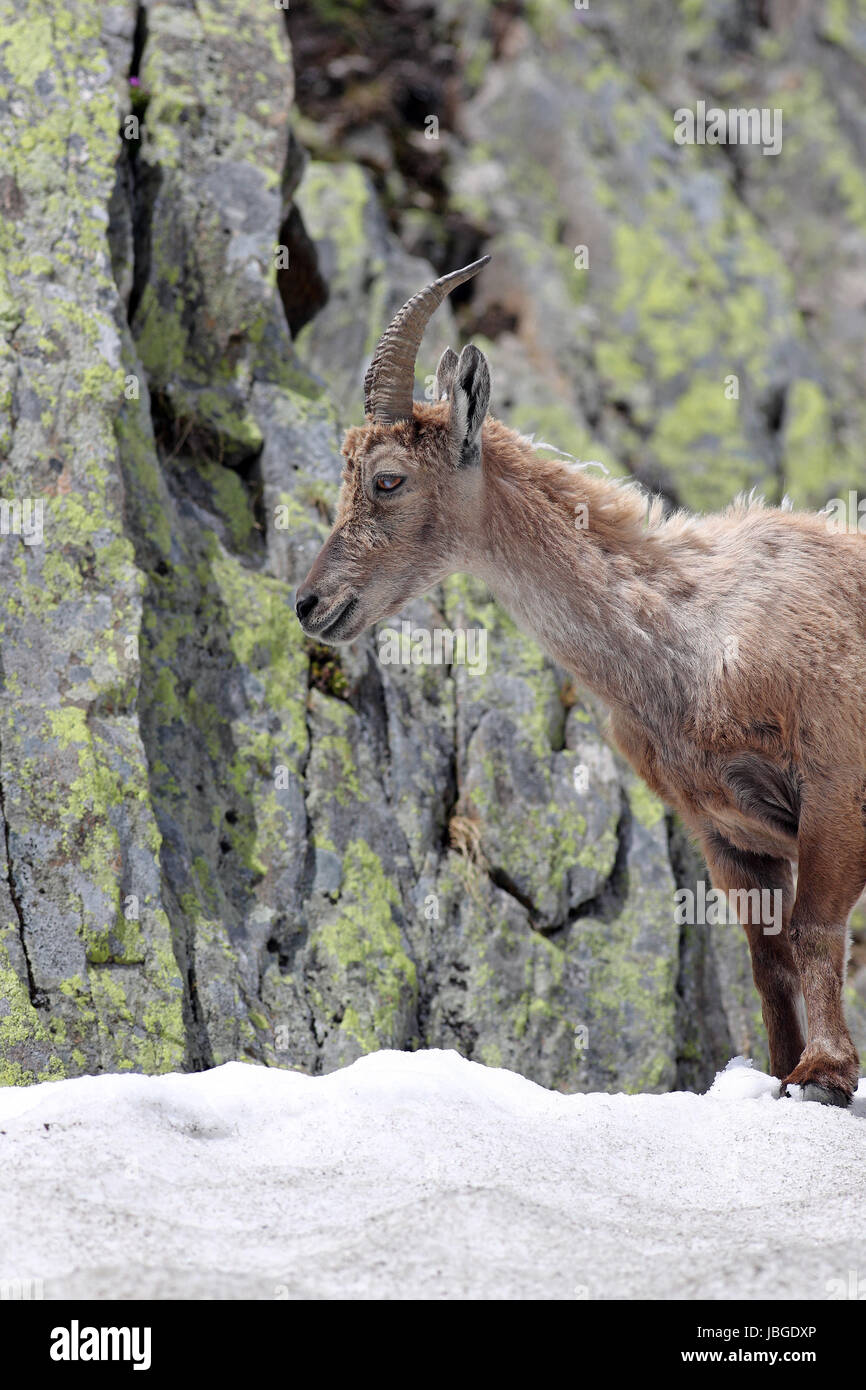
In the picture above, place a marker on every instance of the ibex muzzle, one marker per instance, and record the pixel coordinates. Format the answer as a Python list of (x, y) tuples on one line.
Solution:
[(410, 474)]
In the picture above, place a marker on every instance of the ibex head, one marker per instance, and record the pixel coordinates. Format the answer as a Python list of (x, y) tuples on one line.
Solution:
[(412, 478)]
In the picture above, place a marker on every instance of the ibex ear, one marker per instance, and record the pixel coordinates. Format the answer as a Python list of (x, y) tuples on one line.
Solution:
[(470, 397), (445, 373)]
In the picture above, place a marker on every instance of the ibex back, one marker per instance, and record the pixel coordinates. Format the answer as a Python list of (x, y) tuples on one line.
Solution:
[(731, 651)]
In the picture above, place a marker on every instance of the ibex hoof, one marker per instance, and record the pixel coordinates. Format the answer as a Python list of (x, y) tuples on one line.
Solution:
[(826, 1095)]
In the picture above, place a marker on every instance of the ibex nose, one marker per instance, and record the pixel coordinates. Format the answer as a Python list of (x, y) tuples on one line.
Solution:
[(305, 604)]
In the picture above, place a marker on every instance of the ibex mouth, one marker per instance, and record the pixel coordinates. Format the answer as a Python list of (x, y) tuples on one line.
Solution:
[(330, 631)]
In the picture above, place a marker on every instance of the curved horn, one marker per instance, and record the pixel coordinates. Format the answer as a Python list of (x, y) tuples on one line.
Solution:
[(391, 374)]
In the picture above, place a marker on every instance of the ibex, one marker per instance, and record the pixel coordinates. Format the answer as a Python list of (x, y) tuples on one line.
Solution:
[(730, 650)]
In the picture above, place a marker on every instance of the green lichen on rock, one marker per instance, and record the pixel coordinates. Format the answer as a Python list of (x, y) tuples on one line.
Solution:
[(688, 321), (27, 1051), (372, 978), (369, 277), (220, 841), (81, 844), (210, 291)]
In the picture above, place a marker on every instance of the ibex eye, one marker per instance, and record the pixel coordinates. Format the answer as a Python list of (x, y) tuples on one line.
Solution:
[(389, 482)]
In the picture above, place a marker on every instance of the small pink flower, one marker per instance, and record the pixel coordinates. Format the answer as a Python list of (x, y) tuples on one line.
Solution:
[(134, 82)]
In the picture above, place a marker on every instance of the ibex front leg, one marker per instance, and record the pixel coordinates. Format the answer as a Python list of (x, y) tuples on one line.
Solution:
[(759, 882), (831, 875)]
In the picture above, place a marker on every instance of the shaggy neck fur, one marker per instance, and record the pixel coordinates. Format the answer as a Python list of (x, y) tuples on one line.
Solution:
[(583, 568)]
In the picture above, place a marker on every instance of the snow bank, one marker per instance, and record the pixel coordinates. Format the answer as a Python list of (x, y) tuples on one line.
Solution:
[(423, 1175)]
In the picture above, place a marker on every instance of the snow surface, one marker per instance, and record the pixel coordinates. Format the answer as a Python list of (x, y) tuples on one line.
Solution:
[(422, 1175)]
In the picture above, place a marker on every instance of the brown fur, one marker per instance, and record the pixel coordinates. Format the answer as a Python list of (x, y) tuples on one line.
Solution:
[(731, 651)]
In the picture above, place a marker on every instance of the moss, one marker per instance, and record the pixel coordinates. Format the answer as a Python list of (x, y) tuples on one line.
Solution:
[(617, 367), (231, 501), (336, 753), (366, 947), (247, 616), (327, 674), (26, 49), (656, 285), (326, 189), (160, 337), (468, 603), (646, 807), (699, 443), (153, 1044), (135, 441), (265, 639), (516, 985), (599, 854), (698, 18), (540, 844), (104, 781), (810, 459), (102, 381), (22, 1029), (229, 421), (337, 202), (630, 993), (68, 725), (554, 423), (294, 514), (165, 695)]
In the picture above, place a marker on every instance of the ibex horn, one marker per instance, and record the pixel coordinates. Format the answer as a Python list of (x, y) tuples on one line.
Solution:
[(390, 378)]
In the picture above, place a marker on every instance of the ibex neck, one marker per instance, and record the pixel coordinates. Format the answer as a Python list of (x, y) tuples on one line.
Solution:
[(570, 556)]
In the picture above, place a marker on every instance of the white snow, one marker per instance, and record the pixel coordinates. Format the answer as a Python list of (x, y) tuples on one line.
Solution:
[(422, 1175)]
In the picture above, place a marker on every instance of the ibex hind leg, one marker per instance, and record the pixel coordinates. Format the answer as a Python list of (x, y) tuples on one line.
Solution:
[(831, 875), (774, 970)]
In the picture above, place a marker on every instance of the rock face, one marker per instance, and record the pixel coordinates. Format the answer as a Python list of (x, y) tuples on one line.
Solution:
[(219, 841)]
